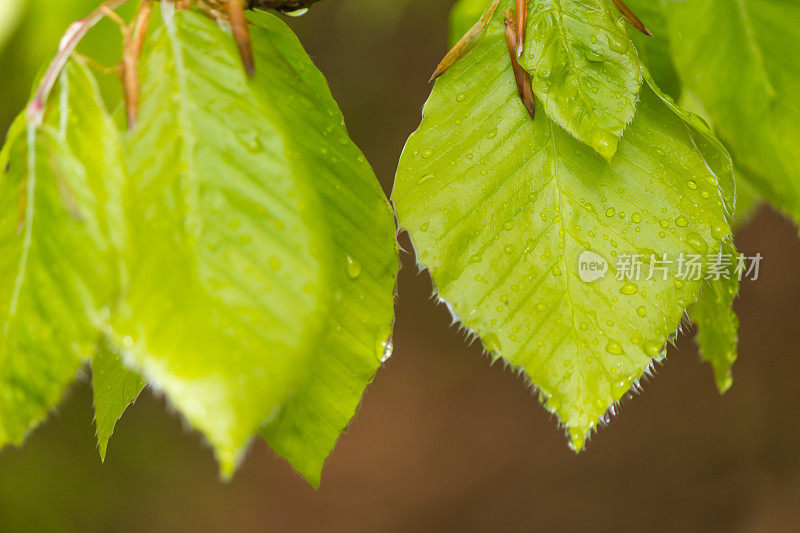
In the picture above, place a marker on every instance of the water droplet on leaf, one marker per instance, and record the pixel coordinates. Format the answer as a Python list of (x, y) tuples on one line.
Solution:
[(353, 268)]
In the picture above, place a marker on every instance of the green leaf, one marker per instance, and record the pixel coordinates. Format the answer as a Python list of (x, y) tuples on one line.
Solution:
[(501, 208), (584, 68), (715, 157), (736, 57), (717, 323), (356, 336), (115, 387), (234, 262), (224, 274), (57, 268)]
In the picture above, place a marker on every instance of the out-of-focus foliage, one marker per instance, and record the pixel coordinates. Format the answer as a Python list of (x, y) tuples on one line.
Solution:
[(10, 11), (248, 273), (742, 62)]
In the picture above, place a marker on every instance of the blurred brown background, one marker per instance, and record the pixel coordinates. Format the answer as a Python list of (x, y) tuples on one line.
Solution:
[(443, 441)]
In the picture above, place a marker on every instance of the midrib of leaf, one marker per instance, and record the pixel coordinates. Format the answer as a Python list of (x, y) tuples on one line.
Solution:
[(188, 177), (568, 271)]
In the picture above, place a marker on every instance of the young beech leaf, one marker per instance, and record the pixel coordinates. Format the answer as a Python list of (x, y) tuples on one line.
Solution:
[(584, 68), (510, 213), (362, 252), (58, 268), (115, 388), (234, 262), (740, 63)]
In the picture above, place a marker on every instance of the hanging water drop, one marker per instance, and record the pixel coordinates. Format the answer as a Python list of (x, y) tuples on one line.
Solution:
[(385, 349)]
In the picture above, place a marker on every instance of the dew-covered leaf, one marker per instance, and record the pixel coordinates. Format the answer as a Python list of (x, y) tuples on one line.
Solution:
[(526, 231), (58, 267), (234, 264), (738, 58), (584, 68)]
